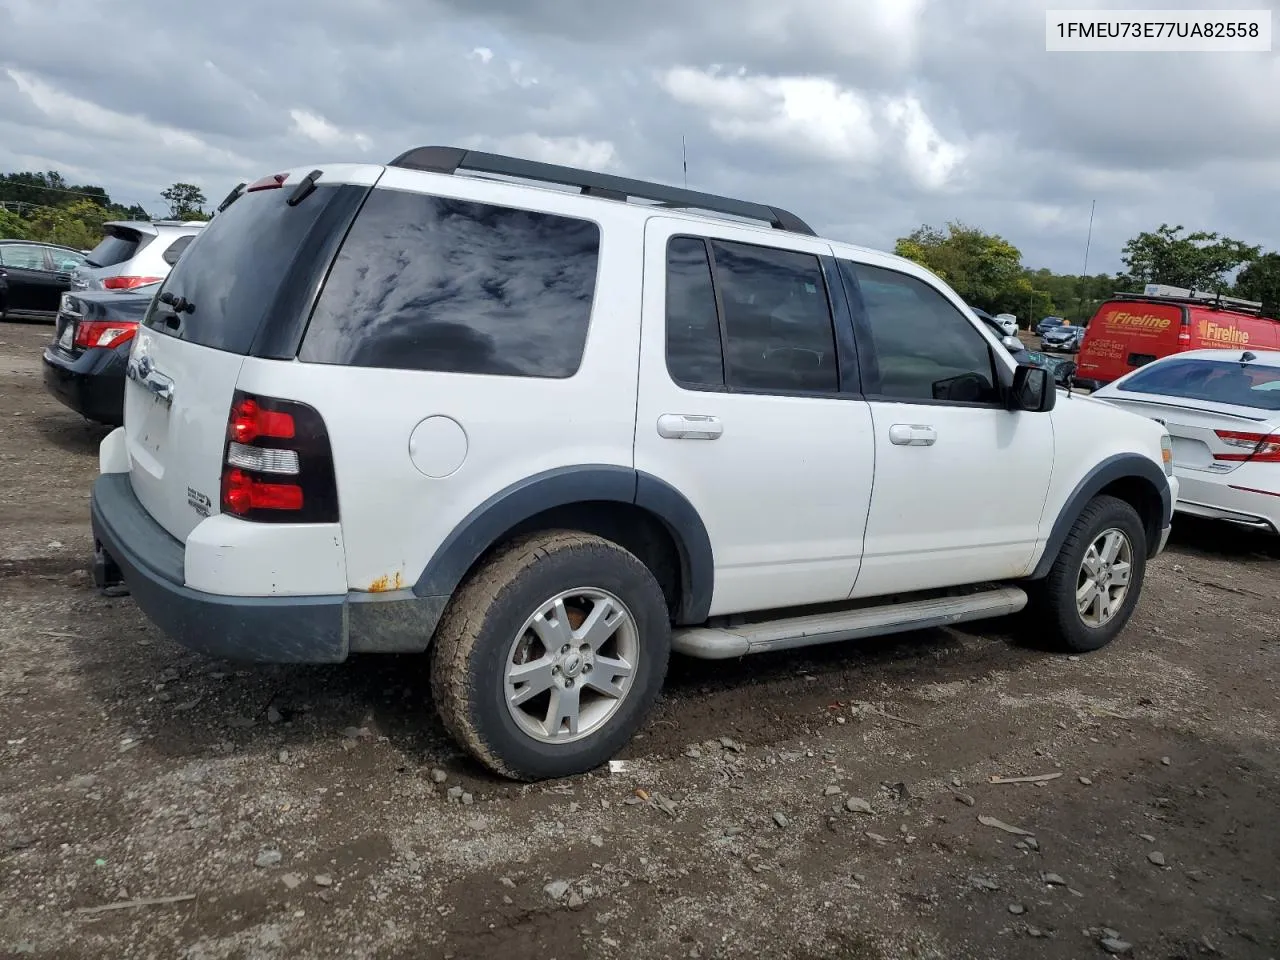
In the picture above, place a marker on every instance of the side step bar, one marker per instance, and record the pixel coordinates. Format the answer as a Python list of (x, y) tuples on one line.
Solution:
[(726, 643)]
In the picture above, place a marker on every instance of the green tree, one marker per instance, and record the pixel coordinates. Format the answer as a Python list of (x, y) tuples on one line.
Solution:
[(984, 268), (1199, 260), (77, 225), (12, 226), (186, 201), (1260, 280)]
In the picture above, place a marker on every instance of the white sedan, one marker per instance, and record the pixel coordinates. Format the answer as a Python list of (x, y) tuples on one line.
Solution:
[(1222, 411)]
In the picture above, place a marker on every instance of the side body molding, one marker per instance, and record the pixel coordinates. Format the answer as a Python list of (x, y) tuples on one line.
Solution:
[(565, 486), (1119, 467)]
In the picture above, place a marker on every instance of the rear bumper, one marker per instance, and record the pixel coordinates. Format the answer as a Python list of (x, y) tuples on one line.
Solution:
[(91, 384), (254, 629)]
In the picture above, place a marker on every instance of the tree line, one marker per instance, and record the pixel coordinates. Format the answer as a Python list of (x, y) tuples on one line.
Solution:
[(984, 268), (987, 270), (45, 207)]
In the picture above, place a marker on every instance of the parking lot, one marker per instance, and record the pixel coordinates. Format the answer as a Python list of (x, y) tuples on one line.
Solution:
[(835, 803)]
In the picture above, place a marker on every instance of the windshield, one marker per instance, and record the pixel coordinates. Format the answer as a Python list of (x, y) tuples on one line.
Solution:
[(1210, 381)]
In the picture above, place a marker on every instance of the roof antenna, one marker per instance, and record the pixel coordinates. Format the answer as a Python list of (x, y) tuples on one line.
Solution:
[(1248, 356), (684, 158)]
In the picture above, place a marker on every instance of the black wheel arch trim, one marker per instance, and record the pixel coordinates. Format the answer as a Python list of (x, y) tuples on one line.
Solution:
[(564, 486), (1118, 467)]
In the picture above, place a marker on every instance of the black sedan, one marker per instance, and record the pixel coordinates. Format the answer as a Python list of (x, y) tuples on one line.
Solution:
[(33, 276), (84, 365)]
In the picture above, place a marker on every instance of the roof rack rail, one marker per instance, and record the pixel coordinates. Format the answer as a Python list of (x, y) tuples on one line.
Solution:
[(1161, 293), (450, 160)]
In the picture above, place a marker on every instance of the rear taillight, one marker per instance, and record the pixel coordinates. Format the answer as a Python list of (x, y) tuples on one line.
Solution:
[(277, 462), (128, 283), (1184, 334), (105, 333), (1249, 447)]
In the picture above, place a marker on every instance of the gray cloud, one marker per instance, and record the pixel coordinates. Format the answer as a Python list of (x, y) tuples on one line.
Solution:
[(867, 118)]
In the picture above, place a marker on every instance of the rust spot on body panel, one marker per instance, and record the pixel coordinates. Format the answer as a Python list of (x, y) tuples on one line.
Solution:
[(386, 583)]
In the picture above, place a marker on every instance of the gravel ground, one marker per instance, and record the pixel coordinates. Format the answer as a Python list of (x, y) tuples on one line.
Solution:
[(828, 804)]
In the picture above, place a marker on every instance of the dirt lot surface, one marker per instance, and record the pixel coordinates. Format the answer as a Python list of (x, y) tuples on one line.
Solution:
[(811, 805)]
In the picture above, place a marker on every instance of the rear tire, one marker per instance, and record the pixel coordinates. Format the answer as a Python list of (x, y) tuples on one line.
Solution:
[(550, 655), (1096, 581)]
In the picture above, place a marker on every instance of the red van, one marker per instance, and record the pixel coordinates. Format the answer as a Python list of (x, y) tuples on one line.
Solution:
[(1134, 329)]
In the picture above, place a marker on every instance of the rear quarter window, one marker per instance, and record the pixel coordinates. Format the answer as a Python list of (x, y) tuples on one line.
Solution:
[(436, 284), (174, 250)]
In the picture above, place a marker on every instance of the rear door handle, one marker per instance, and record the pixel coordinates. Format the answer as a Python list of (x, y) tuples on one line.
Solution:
[(912, 435), (689, 426)]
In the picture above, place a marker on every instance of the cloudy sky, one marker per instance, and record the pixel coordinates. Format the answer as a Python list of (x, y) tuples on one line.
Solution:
[(866, 117)]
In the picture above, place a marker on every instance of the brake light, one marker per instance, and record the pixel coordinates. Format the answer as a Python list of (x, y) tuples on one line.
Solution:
[(277, 462), (249, 422), (1184, 334), (1251, 447), (128, 283), (104, 333), (273, 182), (242, 494)]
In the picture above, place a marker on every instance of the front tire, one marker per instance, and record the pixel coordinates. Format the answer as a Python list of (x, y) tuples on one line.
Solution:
[(1094, 585), (550, 655)]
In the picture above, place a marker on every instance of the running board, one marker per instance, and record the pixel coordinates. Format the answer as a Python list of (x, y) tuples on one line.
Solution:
[(726, 643)]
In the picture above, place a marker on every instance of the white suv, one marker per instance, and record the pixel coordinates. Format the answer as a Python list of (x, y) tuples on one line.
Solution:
[(134, 253), (549, 435)]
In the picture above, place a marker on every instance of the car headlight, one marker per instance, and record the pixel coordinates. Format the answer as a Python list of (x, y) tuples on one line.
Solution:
[(1166, 454)]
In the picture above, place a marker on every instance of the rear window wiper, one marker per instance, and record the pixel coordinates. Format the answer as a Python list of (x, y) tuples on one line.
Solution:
[(179, 304), (306, 186), (231, 197)]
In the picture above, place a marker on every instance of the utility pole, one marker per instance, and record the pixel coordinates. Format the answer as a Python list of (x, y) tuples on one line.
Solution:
[(1084, 276)]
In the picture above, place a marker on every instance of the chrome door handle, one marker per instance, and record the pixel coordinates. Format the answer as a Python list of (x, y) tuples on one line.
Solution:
[(688, 426), (912, 435)]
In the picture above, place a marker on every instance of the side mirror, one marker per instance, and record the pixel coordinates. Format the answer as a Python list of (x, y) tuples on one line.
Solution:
[(1012, 344), (1033, 389)]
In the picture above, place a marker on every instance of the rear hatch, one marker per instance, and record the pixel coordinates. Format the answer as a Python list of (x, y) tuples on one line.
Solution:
[(245, 286), (1125, 334)]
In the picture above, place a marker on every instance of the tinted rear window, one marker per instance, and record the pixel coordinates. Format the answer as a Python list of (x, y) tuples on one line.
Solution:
[(430, 283), (1214, 381), (116, 247), (234, 269)]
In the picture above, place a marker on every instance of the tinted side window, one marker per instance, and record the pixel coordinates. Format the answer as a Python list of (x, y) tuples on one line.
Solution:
[(64, 261), (694, 355), (925, 348), (430, 283), (777, 319), (175, 249), (22, 256)]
